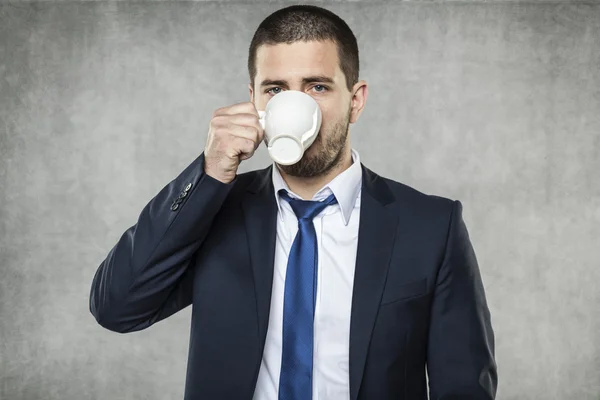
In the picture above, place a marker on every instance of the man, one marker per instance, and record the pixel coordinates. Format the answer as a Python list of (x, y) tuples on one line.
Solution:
[(297, 297)]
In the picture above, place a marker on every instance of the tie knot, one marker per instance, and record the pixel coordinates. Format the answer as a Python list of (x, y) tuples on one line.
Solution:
[(307, 209)]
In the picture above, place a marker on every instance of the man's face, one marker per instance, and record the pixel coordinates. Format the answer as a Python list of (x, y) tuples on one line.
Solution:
[(289, 64)]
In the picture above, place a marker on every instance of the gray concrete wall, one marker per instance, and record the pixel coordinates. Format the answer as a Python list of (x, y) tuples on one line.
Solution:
[(496, 104)]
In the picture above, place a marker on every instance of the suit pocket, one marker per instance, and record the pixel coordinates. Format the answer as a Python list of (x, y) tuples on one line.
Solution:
[(404, 291)]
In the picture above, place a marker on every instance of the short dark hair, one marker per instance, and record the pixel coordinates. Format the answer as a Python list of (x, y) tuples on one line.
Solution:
[(307, 23)]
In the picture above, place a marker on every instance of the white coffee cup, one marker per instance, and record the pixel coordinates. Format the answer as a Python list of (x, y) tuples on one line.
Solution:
[(291, 122)]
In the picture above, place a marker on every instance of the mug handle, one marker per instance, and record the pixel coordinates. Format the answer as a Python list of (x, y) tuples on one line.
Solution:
[(261, 118), (310, 134)]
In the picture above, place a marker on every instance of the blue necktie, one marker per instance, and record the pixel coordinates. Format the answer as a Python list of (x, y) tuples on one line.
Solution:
[(295, 379)]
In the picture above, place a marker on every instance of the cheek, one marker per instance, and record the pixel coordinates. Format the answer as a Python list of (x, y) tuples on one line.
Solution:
[(325, 113), (330, 113), (326, 120)]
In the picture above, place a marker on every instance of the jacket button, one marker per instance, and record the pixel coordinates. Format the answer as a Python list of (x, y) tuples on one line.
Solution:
[(174, 206), (188, 187)]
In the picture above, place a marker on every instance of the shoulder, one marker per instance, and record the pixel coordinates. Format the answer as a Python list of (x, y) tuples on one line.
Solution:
[(418, 204)]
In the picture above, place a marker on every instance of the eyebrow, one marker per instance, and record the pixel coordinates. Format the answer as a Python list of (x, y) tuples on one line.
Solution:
[(305, 80)]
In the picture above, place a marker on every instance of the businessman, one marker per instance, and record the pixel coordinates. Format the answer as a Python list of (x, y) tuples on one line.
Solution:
[(317, 280)]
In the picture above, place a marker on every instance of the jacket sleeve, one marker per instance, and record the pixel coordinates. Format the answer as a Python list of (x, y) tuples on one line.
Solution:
[(460, 360), (146, 276)]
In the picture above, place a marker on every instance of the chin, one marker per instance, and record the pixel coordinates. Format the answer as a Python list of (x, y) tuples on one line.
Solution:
[(319, 158)]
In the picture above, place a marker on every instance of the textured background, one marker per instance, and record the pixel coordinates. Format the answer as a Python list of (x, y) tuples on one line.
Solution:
[(496, 104)]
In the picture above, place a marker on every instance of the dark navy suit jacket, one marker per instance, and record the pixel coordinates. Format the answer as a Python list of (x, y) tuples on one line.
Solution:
[(418, 302)]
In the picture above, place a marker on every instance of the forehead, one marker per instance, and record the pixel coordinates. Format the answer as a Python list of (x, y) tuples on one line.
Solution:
[(298, 59)]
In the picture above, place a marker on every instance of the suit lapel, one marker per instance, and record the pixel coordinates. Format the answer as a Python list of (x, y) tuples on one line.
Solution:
[(260, 213), (376, 234)]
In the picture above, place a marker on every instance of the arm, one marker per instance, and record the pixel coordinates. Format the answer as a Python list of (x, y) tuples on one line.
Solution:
[(460, 360), (145, 277)]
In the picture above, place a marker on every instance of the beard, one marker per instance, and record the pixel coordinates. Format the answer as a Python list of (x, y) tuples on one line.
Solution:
[(324, 154)]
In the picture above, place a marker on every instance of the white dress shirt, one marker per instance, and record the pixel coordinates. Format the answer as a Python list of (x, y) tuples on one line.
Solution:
[(337, 238)]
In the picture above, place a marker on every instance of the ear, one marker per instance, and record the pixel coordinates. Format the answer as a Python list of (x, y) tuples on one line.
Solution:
[(359, 100)]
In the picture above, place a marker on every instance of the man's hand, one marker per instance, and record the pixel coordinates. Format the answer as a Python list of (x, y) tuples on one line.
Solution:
[(234, 135)]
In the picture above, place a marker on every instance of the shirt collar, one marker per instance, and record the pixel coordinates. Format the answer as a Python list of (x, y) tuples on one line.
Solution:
[(346, 187)]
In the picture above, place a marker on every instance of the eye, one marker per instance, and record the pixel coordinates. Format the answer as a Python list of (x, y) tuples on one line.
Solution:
[(269, 90), (325, 88)]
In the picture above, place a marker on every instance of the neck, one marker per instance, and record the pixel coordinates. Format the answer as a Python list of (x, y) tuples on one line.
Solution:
[(307, 187)]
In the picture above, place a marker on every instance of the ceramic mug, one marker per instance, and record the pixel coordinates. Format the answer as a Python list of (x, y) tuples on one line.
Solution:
[(291, 122)]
